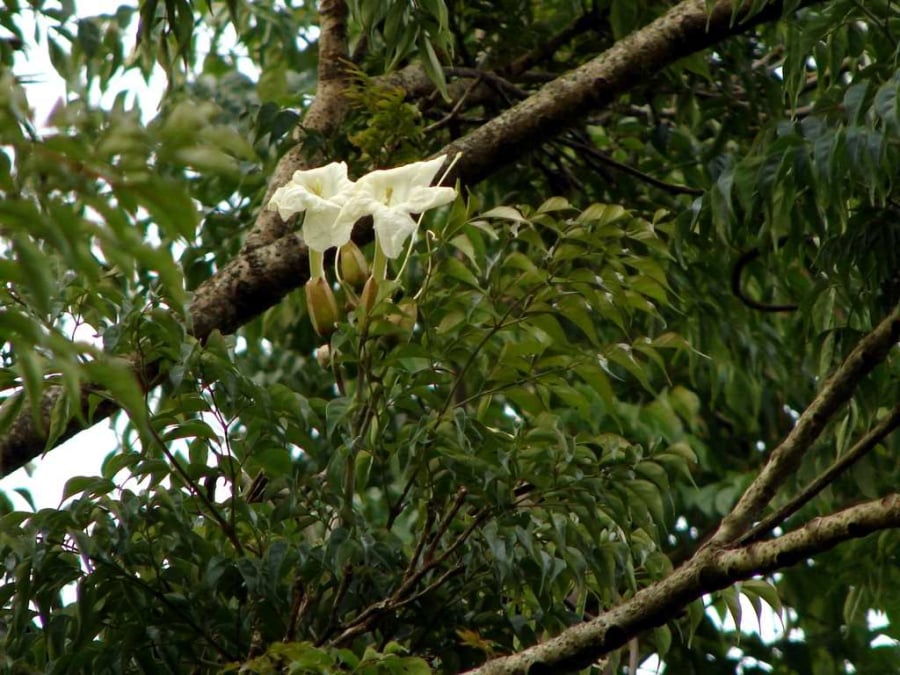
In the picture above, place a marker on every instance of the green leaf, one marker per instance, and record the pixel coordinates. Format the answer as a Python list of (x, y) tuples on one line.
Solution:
[(30, 367), (119, 379), (38, 272), (89, 37), (601, 214), (336, 412), (170, 207), (89, 485), (554, 204), (433, 67), (454, 269), (765, 590), (662, 638), (272, 461), (505, 213)]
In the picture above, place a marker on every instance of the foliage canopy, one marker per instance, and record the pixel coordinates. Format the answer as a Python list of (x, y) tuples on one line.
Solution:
[(602, 398)]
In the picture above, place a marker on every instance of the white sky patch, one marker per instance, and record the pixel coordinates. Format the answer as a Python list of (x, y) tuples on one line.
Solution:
[(46, 89), (45, 480), (768, 626), (877, 621), (651, 666)]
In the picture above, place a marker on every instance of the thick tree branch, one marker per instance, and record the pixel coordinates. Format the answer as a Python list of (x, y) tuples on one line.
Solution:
[(785, 459), (631, 62), (710, 570), (272, 262), (324, 115)]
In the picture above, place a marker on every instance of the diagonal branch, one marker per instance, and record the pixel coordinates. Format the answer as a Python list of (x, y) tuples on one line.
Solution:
[(633, 61), (837, 389), (710, 570), (859, 450), (272, 262), (324, 115)]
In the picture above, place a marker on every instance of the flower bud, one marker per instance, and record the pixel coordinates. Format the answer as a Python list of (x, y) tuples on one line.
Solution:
[(369, 295), (366, 302), (321, 305), (323, 355), (354, 268)]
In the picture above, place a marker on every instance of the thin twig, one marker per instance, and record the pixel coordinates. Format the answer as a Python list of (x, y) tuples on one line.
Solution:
[(500, 84), (298, 595), (405, 592), (434, 585), (603, 158), (446, 119), (445, 523), (158, 595), (198, 493), (547, 48), (420, 545), (344, 584), (397, 508)]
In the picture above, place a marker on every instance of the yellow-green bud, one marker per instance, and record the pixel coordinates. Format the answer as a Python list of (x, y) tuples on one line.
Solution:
[(369, 295), (321, 305), (366, 302), (354, 268), (323, 355)]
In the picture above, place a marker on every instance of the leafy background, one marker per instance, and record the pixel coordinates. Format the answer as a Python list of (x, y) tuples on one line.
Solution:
[(584, 394)]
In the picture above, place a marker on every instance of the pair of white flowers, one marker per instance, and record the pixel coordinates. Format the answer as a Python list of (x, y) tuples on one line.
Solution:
[(333, 203)]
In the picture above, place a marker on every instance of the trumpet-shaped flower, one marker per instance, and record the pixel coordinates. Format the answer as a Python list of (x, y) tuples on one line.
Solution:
[(391, 195), (321, 193)]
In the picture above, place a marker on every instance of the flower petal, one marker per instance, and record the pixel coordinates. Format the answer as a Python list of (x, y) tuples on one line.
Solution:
[(393, 186), (288, 200), (320, 192), (392, 228), (322, 228), (327, 182), (421, 199)]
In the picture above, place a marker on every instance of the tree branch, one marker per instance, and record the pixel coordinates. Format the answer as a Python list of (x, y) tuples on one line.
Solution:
[(324, 115), (710, 570), (593, 154), (632, 61), (859, 450), (785, 459)]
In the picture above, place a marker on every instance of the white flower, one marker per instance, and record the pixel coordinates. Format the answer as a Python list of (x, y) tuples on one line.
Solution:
[(390, 196), (321, 193)]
